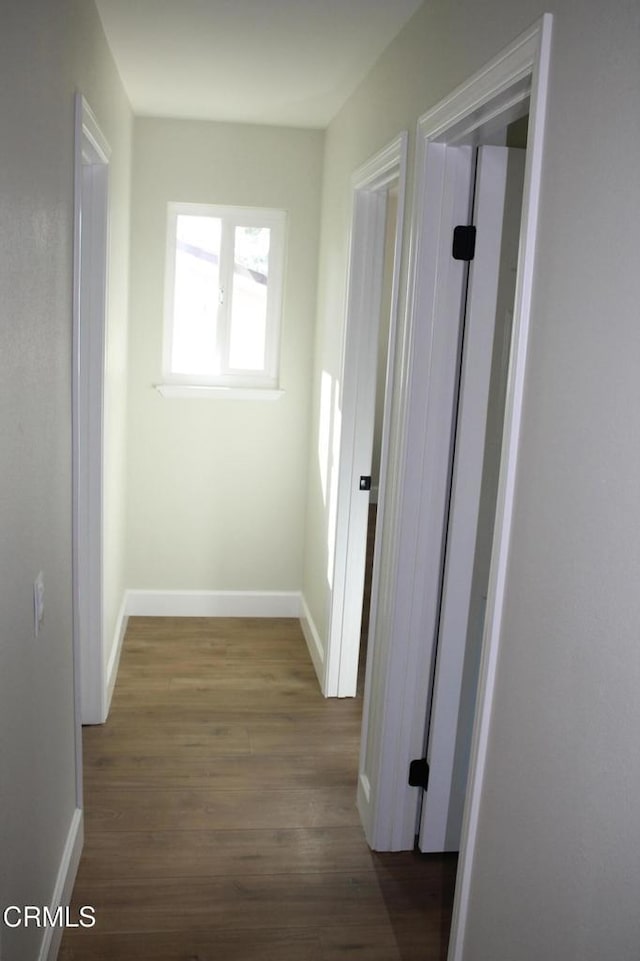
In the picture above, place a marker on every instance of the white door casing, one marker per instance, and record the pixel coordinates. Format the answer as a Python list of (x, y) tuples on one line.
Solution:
[(90, 293), (533, 51), (370, 185)]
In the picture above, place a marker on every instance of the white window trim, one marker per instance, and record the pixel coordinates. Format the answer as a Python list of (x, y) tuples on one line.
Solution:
[(209, 392), (241, 384)]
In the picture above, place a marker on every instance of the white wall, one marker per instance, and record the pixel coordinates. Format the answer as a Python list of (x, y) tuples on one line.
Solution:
[(559, 830), (39, 69), (218, 487), (557, 871)]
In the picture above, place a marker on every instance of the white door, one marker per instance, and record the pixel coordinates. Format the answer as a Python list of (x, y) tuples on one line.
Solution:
[(476, 459), (348, 496)]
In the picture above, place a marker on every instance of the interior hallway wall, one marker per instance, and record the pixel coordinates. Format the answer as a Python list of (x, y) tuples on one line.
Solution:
[(556, 872), (218, 487), (48, 48)]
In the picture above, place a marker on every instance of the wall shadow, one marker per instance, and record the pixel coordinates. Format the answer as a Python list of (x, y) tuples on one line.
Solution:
[(418, 892)]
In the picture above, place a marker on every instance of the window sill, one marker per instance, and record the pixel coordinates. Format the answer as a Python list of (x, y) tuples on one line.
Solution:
[(207, 392)]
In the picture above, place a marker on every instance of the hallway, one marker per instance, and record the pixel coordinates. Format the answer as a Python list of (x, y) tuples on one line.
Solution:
[(220, 813)]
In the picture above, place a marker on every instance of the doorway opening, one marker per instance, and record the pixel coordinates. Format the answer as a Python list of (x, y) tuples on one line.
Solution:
[(90, 292), (373, 528), (368, 365), (409, 620)]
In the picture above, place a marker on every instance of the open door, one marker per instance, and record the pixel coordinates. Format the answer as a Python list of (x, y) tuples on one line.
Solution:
[(371, 186), (484, 367)]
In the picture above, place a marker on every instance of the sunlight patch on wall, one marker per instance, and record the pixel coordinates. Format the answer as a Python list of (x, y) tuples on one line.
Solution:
[(324, 432), (333, 485)]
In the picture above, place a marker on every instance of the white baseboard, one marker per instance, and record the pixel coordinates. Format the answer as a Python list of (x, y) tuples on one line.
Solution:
[(64, 885), (213, 603), (312, 637), (116, 650)]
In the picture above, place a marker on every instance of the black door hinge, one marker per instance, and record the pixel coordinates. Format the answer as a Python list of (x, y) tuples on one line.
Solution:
[(365, 483), (419, 773), (464, 242)]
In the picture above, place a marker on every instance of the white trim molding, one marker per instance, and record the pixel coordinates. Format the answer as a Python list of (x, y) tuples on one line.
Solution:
[(312, 637), (63, 889), (143, 603), (207, 392), (116, 649)]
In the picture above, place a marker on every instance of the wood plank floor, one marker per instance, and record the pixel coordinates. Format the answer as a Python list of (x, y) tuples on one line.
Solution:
[(220, 813)]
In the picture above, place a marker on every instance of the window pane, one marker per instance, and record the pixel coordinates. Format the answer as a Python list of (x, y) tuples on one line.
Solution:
[(196, 295), (248, 328)]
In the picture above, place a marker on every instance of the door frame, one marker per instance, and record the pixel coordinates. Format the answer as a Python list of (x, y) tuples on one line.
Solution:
[(408, 609), (369, 186), (534, 53), (91, 207)]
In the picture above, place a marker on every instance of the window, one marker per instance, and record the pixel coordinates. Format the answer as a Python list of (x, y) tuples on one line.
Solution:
[(223, 296)]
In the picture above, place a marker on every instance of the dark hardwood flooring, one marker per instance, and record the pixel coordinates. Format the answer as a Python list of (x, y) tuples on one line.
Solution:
[(220, 813)]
